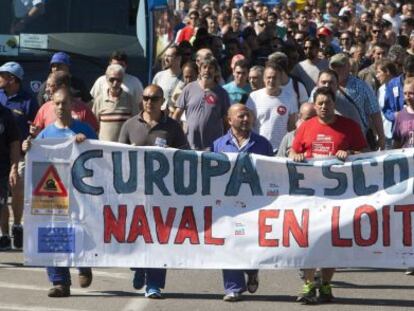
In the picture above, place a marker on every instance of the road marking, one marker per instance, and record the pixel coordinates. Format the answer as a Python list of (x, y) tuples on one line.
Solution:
[(136, 304), (45, 289), (32, 308), (100, 273)]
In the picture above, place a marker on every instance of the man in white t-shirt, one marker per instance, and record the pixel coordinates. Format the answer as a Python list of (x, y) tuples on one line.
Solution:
[(293, 87), (275, 111), (130, 84), (169, 78)]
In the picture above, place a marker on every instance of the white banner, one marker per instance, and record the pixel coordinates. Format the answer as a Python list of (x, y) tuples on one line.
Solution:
[(107, 204)]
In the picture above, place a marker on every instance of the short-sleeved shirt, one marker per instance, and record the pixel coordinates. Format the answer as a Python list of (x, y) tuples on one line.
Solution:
[(308, 72), (80, 111), (76, 127), (236, 93), (168, 81), (130, 84), (256, 144), (317, 140), (404, 128), (272, 114), (205, 111), (364, 98), (112, 114), (8, 133), (24, 108), (166, 133)]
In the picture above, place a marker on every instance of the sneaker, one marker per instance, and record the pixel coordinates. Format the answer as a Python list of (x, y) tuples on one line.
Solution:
[(308, 294), (5, 243), (232, 297), (252, 283), (153, 293), (325, 293), (85, 278), (139, 279), (58, 291), (17, 232), (409, 271)]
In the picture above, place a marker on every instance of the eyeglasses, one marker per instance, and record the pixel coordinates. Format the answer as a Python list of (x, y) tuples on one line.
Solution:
[(151, 98), (112, 80), (375, 31), (262, 24)]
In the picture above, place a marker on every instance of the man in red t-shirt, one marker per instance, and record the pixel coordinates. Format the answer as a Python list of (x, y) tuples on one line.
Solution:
[(46, 114), (325, 135)]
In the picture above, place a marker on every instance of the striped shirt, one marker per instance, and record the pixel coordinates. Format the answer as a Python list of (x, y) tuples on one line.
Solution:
[(112, 114), (272, 114)]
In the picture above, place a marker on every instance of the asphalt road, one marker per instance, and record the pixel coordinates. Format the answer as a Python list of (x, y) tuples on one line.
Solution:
[(25, 288)]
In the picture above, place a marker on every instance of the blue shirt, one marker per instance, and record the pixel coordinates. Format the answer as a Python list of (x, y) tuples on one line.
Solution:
[(394, 97), (236, 93), (363, 98), (257, 144), (77, 127), (24, 108)]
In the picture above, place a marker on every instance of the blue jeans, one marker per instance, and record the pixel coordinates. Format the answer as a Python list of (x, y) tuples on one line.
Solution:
[(154, 277), (61, 275), (234, 280)]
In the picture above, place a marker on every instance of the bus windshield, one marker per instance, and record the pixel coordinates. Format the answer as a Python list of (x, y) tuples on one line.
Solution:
[(88, 30), (91, 28)]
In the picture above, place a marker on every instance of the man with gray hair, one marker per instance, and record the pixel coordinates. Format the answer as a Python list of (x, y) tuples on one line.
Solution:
[(205, 103), (256, 77), (113, 106)]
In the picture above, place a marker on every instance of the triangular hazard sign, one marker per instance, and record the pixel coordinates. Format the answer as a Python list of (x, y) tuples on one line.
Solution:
[(50, 185)]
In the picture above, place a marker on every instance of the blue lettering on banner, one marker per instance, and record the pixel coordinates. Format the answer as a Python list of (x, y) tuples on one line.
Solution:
[(56, 240)]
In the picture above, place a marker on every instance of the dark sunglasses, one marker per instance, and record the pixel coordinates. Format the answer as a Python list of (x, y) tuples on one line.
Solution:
[(152, 98)]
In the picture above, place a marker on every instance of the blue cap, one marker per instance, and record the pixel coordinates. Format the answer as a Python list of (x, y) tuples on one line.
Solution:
[(13, 68), (60, 58)]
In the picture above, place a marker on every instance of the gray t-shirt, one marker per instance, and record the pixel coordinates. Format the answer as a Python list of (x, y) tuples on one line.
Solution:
[(308, 72), (205, 111)]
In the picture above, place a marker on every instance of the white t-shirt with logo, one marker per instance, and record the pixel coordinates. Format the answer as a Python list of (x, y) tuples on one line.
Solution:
[(272, 114)]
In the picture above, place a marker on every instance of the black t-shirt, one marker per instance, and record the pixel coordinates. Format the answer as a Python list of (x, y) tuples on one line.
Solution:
[(9, 133)]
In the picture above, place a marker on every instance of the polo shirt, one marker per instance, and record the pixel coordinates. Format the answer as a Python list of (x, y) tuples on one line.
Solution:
[(166, 133)]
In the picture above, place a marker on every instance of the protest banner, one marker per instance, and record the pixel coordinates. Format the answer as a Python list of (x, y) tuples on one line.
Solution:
[(108, 204)]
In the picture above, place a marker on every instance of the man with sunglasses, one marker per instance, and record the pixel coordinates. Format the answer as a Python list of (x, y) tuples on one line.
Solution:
[(113, 106), (152, 127)]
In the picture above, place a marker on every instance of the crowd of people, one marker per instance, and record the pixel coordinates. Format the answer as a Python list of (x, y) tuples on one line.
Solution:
[(302, 80)]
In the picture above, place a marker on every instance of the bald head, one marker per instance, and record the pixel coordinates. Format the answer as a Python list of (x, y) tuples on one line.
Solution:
[(307, 111), (240, 119), (235, 108), (154, 89)]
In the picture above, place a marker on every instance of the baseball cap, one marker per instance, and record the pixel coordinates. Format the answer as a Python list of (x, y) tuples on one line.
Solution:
[(324, 31), (60, 58), (339, 59), (13, 68)]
